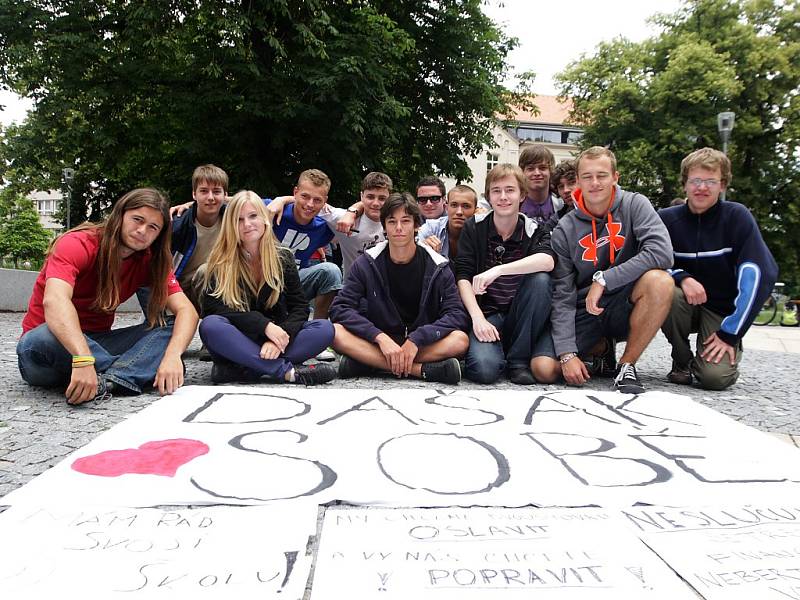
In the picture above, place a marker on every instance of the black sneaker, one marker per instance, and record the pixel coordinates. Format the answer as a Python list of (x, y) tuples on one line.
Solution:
[(314, 374), (521, 376), (204, 355), (350, 368), (443, 371), (225, 372), (104, 389), (627, 381), (680, 375), (605, 364)]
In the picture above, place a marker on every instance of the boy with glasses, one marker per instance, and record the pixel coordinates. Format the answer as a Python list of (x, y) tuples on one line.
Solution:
[(723, 273), (430, 197)]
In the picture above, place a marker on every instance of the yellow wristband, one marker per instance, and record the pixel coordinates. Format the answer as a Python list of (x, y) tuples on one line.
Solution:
[(82, 361)]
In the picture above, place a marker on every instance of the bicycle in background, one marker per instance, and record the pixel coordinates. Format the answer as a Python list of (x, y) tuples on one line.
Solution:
[(778, 300)]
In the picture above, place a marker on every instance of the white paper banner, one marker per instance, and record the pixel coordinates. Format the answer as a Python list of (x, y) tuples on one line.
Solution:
[(728, 553), (421, 448), (106, 553), (483, 553)]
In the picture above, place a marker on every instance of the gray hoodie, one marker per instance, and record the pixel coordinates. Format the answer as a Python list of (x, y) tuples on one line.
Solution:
[(640, 241)]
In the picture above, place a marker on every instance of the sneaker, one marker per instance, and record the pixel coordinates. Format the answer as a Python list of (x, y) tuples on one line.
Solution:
[(680, 375), (204, 355), (605, 364), (521, 376), (314, 374), (104, 389), (443, 371), (627, 381), (224, 372), (326, 355), (350, 368)]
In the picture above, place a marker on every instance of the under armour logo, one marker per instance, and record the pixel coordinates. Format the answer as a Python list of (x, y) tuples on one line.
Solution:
[(614, 238)]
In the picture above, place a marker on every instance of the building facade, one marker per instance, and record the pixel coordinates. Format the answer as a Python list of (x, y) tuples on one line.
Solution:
[(47, 205), (547, 128)]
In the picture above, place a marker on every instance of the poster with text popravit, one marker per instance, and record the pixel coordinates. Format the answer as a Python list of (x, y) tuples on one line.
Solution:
[(728, 553), (256, 445), (143, 554), (484, 553)]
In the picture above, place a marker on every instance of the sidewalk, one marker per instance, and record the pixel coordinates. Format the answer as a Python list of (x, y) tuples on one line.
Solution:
[(773, 339)]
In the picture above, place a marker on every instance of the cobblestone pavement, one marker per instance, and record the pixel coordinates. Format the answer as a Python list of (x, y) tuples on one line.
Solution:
[(38, 428)]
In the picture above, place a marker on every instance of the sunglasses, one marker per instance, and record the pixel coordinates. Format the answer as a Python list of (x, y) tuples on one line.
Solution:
[(431, 199)]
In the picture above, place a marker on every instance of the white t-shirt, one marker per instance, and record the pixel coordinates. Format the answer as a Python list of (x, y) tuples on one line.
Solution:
[(369, 233)]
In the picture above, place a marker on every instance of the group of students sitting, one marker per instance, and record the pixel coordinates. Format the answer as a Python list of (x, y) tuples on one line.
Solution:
[(537, 286)]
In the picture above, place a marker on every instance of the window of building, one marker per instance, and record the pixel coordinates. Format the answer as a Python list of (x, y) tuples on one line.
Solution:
[(573, 137), (531, 134), (492, 160)]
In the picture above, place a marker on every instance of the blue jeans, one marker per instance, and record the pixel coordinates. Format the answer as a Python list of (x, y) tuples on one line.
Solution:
[(226, 343), (524, 333), (129, 356), (319, 279)]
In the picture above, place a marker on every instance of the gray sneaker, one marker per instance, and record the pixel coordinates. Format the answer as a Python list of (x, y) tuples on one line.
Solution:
[(627, 381)]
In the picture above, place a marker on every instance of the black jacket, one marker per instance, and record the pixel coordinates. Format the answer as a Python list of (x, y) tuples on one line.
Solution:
[(184, 238), (365, 308), (723, 250), (289, 312), (473, 245)]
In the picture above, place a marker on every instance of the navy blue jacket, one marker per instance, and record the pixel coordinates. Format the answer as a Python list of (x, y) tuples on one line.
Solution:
[(184, 238), (723, 250), (365, 308)]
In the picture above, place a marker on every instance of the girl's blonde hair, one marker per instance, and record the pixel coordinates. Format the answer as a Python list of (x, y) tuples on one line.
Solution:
[(227, 263)]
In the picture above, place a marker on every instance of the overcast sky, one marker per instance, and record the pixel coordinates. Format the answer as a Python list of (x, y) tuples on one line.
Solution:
[(551, 34)]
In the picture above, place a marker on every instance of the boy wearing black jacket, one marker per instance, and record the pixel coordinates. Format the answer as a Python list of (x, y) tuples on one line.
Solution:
[(399, 309), (723, 273), (502, 270)]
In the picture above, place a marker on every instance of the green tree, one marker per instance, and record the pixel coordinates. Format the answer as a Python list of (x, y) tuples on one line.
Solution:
[(135, 93), (22, 237), (654, 102)]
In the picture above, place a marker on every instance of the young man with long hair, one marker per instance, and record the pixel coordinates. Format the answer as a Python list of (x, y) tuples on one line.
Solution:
[(89, 271), (254, 312)]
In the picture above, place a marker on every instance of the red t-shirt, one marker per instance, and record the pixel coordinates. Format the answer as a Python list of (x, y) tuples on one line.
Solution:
[(74, 260)]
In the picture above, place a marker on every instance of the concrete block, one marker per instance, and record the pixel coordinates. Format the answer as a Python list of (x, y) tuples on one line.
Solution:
[(16, 287)]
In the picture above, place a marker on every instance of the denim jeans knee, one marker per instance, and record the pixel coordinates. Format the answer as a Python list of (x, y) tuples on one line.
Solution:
[(321, 278), (485, 361), (41, 358)]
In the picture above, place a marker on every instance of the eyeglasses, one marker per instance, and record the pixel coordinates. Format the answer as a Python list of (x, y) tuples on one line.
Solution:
[(697, 182), (431, 199)]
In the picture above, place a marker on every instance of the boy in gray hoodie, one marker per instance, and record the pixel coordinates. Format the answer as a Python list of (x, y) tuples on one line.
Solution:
[(609, 281)]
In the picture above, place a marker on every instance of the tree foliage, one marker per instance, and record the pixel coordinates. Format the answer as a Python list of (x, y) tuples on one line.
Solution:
[(654, 102), (22, 236), (135, 93)]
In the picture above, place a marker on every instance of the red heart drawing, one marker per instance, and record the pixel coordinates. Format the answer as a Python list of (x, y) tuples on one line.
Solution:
[(164, 457)]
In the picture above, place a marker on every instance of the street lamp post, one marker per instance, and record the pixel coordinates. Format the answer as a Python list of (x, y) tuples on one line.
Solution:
[(69, 175), (725, 122)]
